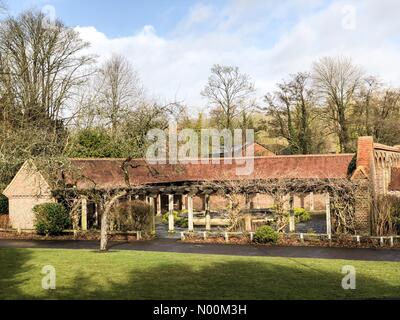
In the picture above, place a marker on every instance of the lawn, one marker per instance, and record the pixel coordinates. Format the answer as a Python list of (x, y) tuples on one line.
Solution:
[(144, 275)]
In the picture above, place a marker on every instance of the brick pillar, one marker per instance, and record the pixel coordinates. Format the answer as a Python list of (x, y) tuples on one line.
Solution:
[(363, 209), (367, 185)]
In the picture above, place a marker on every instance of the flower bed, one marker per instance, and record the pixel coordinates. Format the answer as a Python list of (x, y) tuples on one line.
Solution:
[(306, 240), (79, 236)]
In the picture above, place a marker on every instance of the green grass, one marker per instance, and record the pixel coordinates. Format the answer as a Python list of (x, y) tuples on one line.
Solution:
[(144, 275)]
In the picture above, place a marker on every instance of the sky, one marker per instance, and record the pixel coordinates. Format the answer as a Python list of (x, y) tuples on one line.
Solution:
[(173, 44)]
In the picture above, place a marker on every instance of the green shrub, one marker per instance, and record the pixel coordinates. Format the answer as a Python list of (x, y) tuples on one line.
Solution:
[(266, 234), (131, 216), (180, 218), (51, 218), (94, 143), (302, 215), (3, 204)]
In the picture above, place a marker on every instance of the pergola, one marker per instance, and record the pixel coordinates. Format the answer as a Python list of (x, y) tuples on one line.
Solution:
[(152, 194)]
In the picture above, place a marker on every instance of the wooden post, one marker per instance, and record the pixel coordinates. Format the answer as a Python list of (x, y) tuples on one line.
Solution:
[(208, 216), (171, 223), (190, 214), (292, 222), (84, 214), (159, 209), (251, 236), (328, 214)]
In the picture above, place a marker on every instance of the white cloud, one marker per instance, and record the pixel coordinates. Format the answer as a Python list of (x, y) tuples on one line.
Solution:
[(178, 65)]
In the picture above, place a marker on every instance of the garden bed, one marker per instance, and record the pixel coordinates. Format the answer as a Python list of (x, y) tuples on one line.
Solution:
[(69, 235), (306, 240)]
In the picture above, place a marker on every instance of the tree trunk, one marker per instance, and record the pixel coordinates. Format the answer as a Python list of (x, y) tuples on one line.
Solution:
[(105, 221), (104, 229)]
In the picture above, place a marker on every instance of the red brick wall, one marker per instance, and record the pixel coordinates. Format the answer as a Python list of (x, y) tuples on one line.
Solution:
[(365, 153)]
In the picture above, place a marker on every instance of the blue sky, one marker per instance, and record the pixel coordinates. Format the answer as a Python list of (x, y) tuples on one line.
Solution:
[(116, 17), (173, 44)]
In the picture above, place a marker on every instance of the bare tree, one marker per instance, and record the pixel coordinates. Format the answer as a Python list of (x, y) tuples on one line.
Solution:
[(377, 111), (336, 80), (120, 90), (41, 68), (230, 93)]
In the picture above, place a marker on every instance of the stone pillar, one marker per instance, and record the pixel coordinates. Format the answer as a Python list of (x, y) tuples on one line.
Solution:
[(208, 216), (159, 204), (171, 222), (328, 214), (292, 222), (190, 214), (84, 220)]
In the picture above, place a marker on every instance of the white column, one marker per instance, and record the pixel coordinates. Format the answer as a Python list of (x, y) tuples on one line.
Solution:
[(247, 218), (159, 211), (208, 217), (84, 214), (153, 214), (292, 223), (190, 214), (328, 214), (171, 223)]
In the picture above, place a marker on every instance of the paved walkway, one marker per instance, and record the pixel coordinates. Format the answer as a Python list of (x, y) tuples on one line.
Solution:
[(169, 245)]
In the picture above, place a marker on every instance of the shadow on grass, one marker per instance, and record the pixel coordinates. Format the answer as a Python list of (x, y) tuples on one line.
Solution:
[(13, 265), (173, 277), (226, 280)]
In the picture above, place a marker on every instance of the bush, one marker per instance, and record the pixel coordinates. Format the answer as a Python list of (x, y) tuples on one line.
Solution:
[(51, 219), (94, 143), (386, 215), (131, 216), (3, 204), (180, 218), (302, 215), (266, 234)]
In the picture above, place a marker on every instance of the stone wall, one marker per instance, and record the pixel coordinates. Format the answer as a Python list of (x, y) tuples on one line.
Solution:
[(21, 211)]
